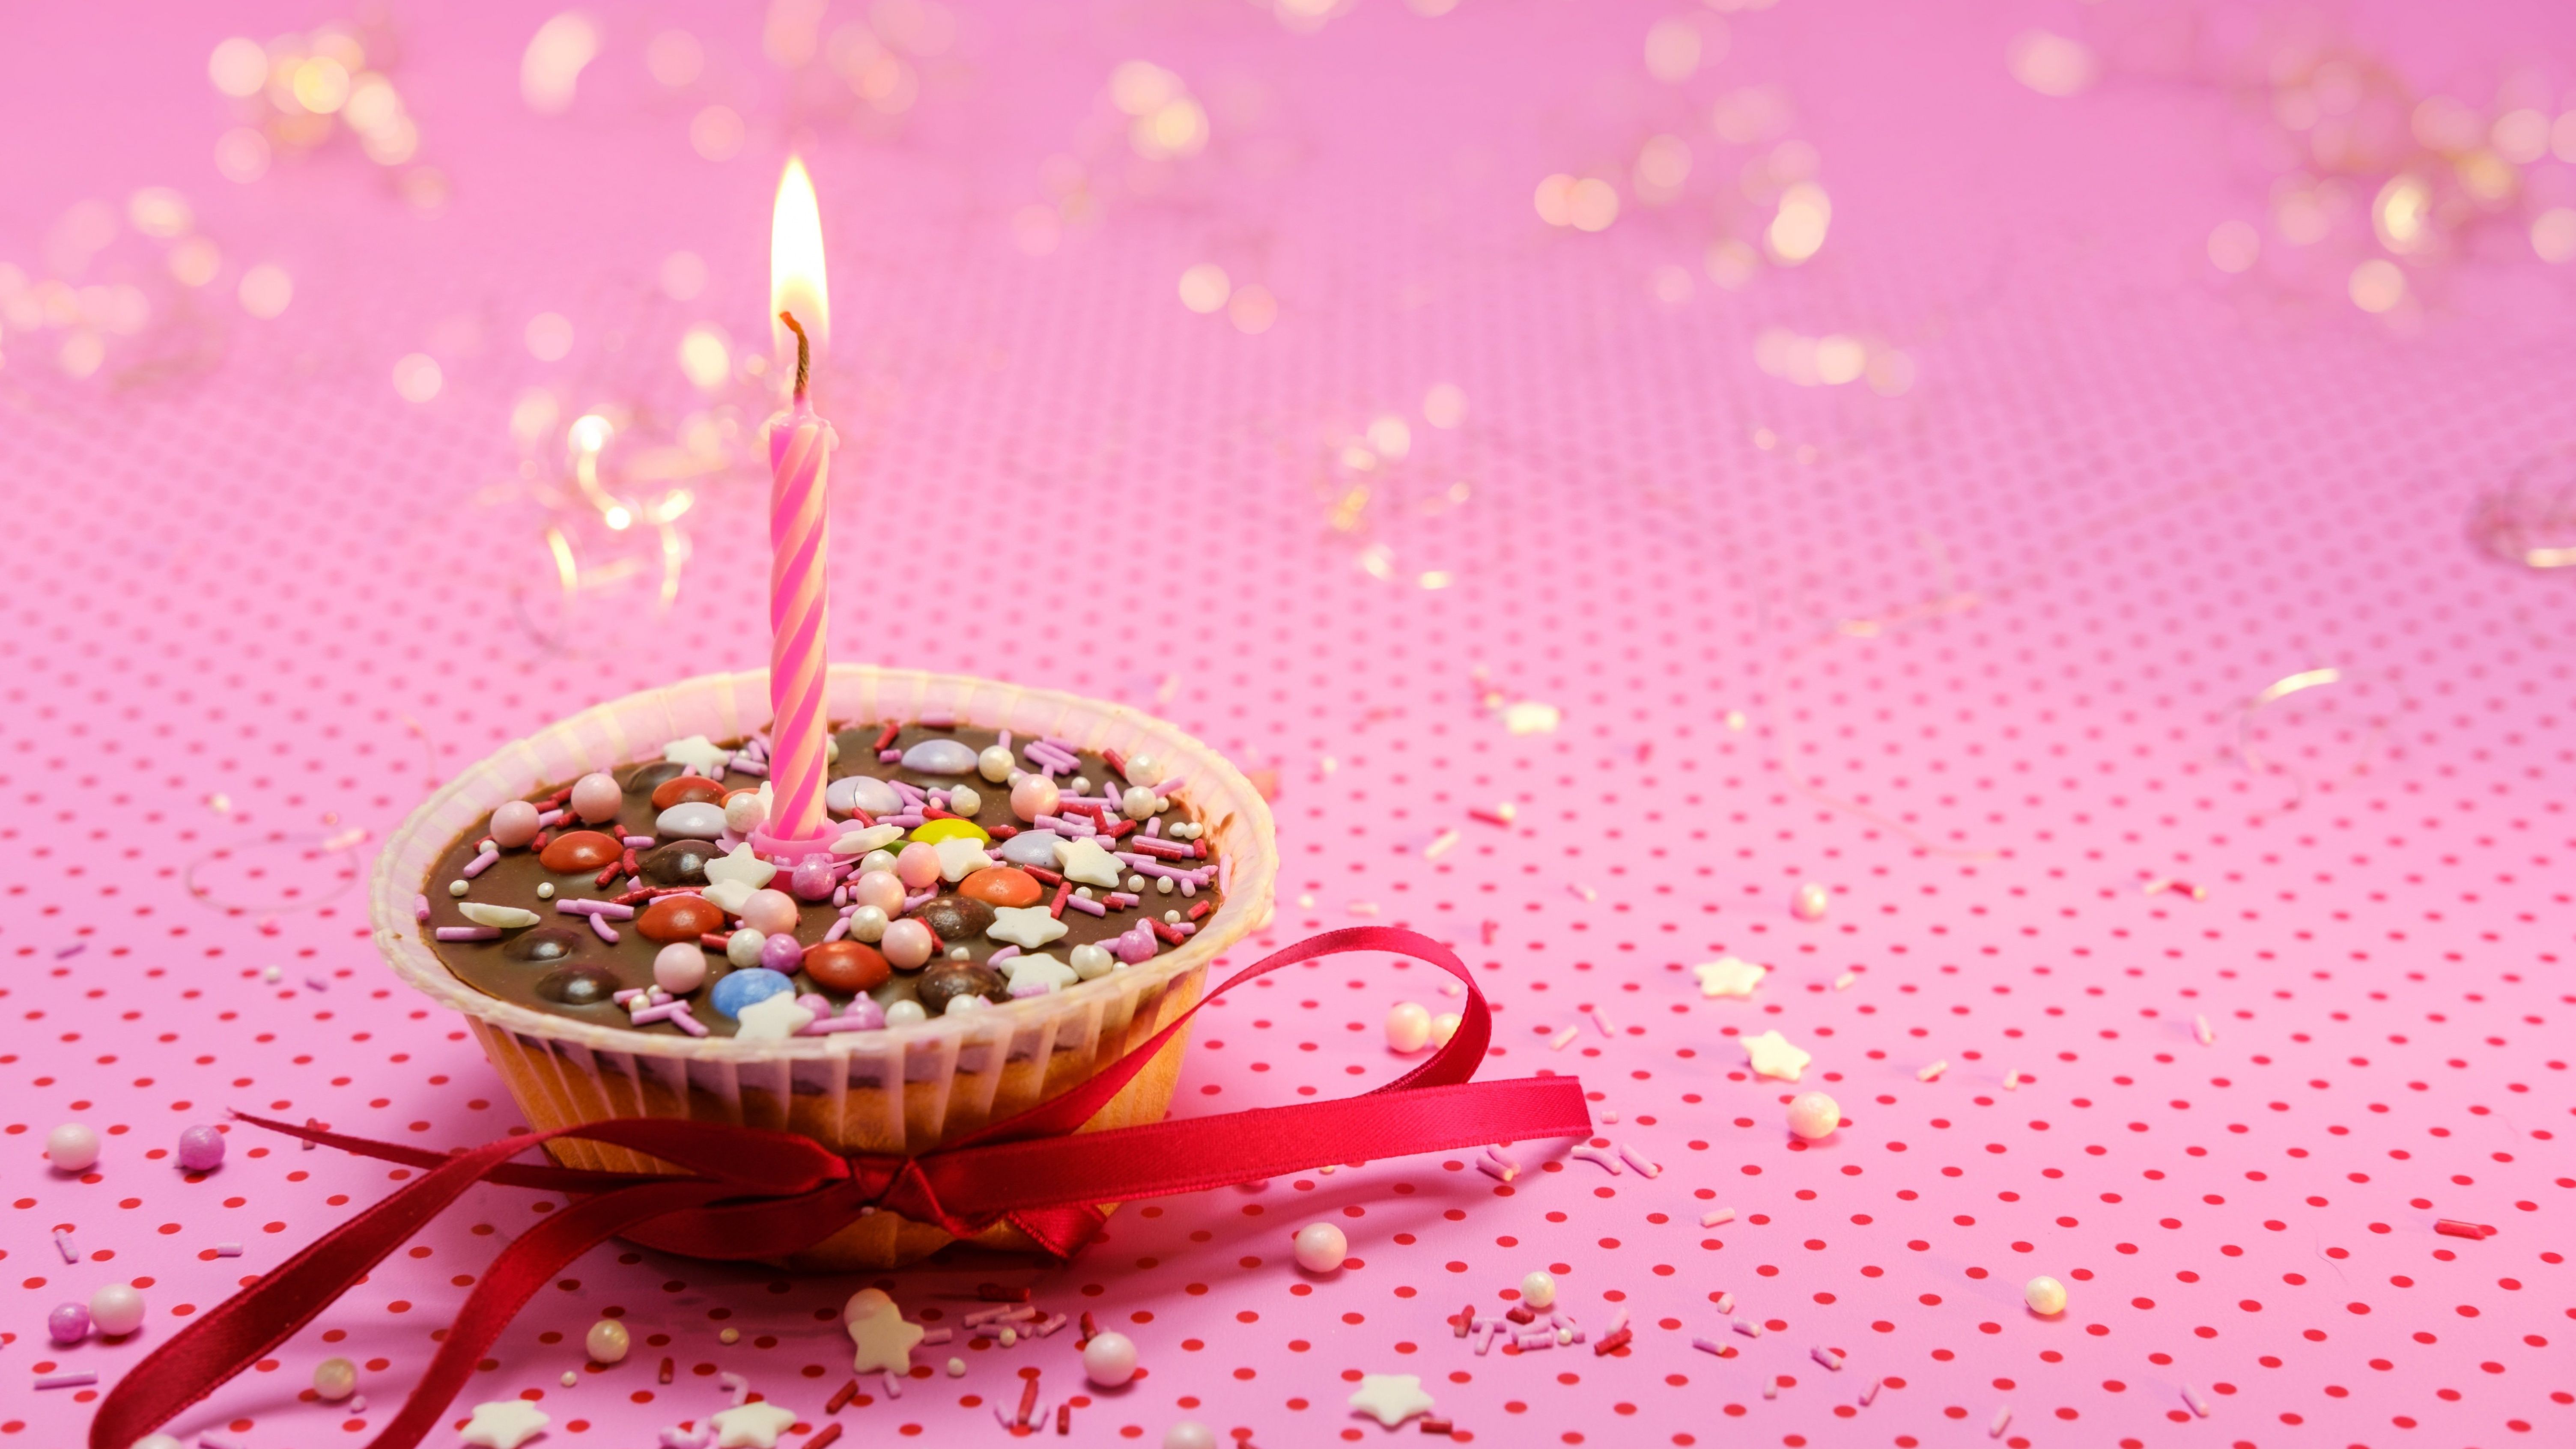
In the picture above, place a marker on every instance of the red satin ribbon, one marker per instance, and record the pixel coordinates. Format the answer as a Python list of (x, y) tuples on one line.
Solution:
[(750, 1194)]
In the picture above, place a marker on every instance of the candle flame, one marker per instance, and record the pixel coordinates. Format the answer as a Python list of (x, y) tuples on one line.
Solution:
[(796, 266)]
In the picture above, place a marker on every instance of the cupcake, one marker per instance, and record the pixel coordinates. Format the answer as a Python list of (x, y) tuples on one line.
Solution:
[(1020, 885)]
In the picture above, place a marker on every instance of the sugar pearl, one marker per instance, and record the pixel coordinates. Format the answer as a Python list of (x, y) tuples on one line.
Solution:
[(770, 912), (545, 890), (963, 800), (742, 948), (2045, 1295), (1538, 1290), (1321, 1247), (994, 764), (569, 1378), (1189, 1434), (72, 1147), (961, 953), (458, 888), (1810, 902), (514, 824), (156, 1441), (745, 811), (877, 860), (335, 1379), (907, 943), (1408, 1028), (1009, 1335), (1092, 962), (868, 924), (1138, 803), (681, 967), (1109, 1359), (730, 1335), (201, 1149), (882, 889), (906, 1013), (607, 1341), (1144, 770), (918, 866), (1813, 1115), (596, 797), (1443, 1027), (68, 1323), (1082, 784), (1035, 795), (116, 1309)]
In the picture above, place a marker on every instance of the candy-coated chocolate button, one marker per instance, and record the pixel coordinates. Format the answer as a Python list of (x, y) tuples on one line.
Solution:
[(685, 789), (936, 831), (957, 919), (679, 918), (1002, 886), (847, 966), (580, 850)]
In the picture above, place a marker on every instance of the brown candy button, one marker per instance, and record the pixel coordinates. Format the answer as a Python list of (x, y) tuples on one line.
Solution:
[(1002, 886), (949, 980), (686, 789), (679, 918), (580, 850), (850, 966), (955, 919), (682, 862), (578, 986), (544, 944)]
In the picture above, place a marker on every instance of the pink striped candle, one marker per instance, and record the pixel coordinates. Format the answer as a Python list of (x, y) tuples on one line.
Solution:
[(800, 455)]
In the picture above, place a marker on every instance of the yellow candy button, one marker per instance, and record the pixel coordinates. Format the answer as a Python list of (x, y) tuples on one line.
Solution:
[(935, 831)]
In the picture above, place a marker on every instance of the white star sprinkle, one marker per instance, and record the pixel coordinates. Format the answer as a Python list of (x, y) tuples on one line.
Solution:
[(740, 864), (504, 1424), (1771, 1055), (1729, 976), (1040, 968), (700, 754), (860, 842), (1084, 863), (772, 1018), (1391, 1398), (877, 1328), (961, 856), (1027, 927), (751, 1426)]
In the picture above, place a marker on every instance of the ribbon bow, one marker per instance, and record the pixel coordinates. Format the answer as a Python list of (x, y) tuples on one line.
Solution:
[(747, 1193)]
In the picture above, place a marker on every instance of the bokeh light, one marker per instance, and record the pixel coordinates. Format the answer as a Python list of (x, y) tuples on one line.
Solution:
[(2377, 285), (706, 358), (266, 290), (1205, 288), (549, 336), (550, 69), (417, 378)]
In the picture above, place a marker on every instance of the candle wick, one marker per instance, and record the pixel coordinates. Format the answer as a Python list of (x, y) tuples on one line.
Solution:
[(804, 353)]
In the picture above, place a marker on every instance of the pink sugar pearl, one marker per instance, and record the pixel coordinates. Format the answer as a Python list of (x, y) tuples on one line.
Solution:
[(907, 943), (918, 866), (680, 967), (514, 824), (201, 1149), (770, 912), (595, 798), (1035, 795), (881, 889)]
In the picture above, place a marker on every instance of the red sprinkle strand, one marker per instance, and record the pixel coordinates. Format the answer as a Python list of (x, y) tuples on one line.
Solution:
[(886, 740)]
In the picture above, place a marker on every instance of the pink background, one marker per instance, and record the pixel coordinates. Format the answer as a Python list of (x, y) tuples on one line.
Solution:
[(267, 601)]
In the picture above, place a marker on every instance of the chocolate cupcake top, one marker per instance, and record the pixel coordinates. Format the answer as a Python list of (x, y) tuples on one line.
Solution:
[(968, 868)]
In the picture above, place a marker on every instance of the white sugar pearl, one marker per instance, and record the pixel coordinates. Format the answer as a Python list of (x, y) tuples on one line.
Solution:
[(1189, 1434), (960, 953), (1164, 884), (1138, 803), (458, 888), (963, 800), (1171, 918), (1162, 803), (831, 749), (1321, 1247), (1810, 902), (1109, 1359), (742, 948), (1813, 1115), (957, 1368), (607, 1341), (1538, 1290), (116, 1309), (1135, 883), (156, 1441), (908, 1013), (961, 1005), (1408, 1028), (335, 1379), (545, 890), (570, 1378), (874, 860), (1092, 962), (2045, 1295), (1144, 770), (1443, 1027), (745, 813), (1082, 784), (868, 924), (72, 1147), (995, 764)]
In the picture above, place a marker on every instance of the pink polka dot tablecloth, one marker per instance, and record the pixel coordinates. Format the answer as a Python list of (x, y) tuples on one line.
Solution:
[(2051, 532)]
